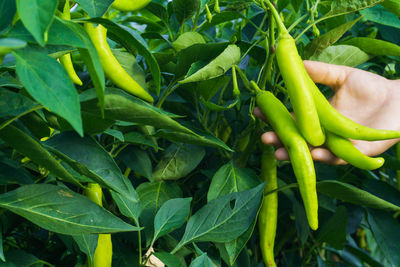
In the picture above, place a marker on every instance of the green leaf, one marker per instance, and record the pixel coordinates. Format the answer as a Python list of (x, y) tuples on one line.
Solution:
[(188, 39), (87, 243), (185, 9), (48, 83), (217, 67), (121, 106), (169, 259), (7, 12), (380, 15), (392, 6), (174, 163), (219, 18), (10, 173), (341, 7), (9, 44), (224, 218), (334, 230), (386, 231), (138, 160), (95, 8), (342, 55), (89, 158), (230, 178), (37, 16), (316, 46), (374, 46), (202, 261), (32, 149), (61, 210), (171, 216), (235, 247), (197, 52), (354, 195), (139, 139), (16, 104), (115, 133), (214, 107), (61, 32), (202, 138), (22, 258), (152, 197), (132, 43)]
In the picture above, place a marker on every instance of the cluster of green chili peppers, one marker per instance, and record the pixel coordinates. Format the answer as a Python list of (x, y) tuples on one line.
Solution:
[(112, 68), (317, 123)]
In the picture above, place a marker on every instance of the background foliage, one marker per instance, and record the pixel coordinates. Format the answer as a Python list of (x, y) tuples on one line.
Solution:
[(180, 177)]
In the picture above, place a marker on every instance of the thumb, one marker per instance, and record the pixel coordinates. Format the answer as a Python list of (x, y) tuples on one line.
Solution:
[(327, 74)]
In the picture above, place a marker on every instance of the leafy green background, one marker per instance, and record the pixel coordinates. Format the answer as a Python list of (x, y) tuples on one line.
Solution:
[(180, 177)]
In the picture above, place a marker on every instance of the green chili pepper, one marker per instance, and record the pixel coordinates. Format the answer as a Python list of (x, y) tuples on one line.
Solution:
[(103, 252), (335, 122), (66, 60), (345, 150), (130, 5), (114, 71), (295, 77), (268, 216), (303, 166)]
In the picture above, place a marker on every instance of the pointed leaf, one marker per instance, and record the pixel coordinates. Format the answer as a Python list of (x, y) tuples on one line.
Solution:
[(342, 55), (124, 107), (217, 67), (386, 231), (32, 149), (16, 104), (334, 230), (95, 8), (316, 46), (175, 164), (61, 210), (374, 46), (354, 195), (230, 178), (37, 16), (224, 218), (89, 158), (171, 216), (48, 83), (202, 138), (202, 261), (87, 243)]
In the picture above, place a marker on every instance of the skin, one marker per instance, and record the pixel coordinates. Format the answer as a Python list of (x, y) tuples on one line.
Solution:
[(364, 97)]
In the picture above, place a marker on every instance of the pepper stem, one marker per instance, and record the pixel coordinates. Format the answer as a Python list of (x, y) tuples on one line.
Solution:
[(281, 27)]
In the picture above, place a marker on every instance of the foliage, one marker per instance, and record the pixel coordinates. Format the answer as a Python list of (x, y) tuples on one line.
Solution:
[(180, 176)]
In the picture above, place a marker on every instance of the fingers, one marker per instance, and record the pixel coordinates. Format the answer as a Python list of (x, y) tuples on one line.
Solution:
[(326, 156), (257, 112), (328, 74), (271, 138)]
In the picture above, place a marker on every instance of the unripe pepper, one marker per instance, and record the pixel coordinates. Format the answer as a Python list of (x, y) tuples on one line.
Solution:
[(130, 5), (103, 253), (112, 68), (345, 150), (268, 216), (303, 166), (66, 60), (295, 77)]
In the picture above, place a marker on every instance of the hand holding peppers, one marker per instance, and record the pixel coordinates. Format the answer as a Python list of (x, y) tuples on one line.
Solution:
[(364, 97)]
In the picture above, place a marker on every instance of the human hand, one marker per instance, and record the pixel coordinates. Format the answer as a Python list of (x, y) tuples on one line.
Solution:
[(364, 97)]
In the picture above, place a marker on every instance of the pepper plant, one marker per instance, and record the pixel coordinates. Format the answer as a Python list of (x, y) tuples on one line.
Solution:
[(93, 172)]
